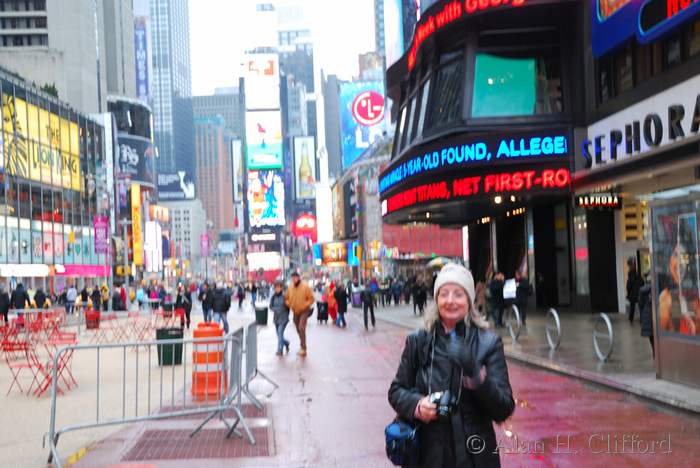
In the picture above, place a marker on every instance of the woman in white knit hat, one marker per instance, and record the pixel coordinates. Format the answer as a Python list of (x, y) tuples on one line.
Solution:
[(454, 353)]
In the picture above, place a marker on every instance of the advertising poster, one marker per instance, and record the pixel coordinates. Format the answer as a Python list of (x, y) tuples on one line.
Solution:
[(262, 86), (675, 247), (304, 168), (176, 186), (13, 245), (238, 170), (89, 258), (78, 245), (334, 254), (68, 248), (3, 245), (265, 199), (371, 65), (362, 117), (141, 46), (204, 244), (350, 208), (101, 235), (393, 31), (264, 139), (25, 246), (135, 158), (37, 248), (136, 229), (57, 247)]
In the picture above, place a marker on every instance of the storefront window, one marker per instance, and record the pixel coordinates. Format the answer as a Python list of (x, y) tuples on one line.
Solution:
[(516, 85), (581, 249), (623, 71)]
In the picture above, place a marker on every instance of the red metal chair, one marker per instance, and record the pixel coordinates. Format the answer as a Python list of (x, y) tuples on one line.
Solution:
[(118, 331), (19, 348), (92, 320)]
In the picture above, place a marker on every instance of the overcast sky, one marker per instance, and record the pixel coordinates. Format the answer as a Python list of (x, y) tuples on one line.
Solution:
[(341, 30)]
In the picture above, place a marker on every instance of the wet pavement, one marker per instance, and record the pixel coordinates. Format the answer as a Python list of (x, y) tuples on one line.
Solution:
[(331, 407)]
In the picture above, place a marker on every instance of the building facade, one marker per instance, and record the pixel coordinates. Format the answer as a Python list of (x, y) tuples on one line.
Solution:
[(225, 102), (172, 85), (188, 221), (49, 195), (215, 173)]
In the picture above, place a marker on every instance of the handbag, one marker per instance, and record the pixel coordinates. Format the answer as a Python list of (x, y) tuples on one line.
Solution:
[(402, 445)]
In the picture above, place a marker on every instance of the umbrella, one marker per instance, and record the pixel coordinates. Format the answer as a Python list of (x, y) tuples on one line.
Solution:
[(438, 262)]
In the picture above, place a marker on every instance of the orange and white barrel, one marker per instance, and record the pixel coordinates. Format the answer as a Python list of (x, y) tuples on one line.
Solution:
[(208, 362)]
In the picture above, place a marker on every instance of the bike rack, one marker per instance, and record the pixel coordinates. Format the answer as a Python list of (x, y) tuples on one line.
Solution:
[(514, 323), (596, 335), (550, 328)]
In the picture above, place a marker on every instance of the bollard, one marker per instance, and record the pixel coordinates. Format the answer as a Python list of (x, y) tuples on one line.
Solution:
[(208, 361)]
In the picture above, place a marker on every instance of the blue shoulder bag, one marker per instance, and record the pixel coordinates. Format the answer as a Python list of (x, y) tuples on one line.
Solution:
[(402, 443)]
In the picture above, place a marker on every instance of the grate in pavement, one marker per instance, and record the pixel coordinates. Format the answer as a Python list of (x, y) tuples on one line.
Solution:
[(207, 443), (249, 410)]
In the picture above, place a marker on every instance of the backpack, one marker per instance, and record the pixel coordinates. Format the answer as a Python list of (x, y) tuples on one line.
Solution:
[(402, 446)]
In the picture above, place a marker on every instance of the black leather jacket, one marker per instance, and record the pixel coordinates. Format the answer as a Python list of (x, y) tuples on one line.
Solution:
[(491, 401)]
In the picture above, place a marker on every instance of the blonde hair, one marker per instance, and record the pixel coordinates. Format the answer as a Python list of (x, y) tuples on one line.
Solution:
[(432, 315)]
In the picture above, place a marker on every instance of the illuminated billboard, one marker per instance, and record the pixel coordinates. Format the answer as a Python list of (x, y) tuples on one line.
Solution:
[(304, 168), (264, 139), (393, 31), (262, 86), (265, 199), (362, 117), (336, 254)]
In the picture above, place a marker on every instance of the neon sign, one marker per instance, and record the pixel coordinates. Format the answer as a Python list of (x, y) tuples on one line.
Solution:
[(545, 179), (456, 154), (598, 201), (450, 13)]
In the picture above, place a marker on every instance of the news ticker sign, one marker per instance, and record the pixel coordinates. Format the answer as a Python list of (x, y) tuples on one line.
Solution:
[(549, 180), (480, 151)]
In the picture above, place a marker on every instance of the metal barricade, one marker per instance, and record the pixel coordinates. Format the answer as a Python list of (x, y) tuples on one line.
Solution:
[(550, 328), (251, 362), (609, 335), (514, 322), (154, 389)]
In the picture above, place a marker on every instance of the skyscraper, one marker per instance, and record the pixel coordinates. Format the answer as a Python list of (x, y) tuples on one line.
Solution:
[(225, 102), (172, 85)]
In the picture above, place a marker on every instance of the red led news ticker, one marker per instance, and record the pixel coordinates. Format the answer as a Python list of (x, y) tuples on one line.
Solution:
[(490, 184)]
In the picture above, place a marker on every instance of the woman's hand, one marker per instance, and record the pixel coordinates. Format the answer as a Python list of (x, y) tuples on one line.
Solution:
[(427, 410)]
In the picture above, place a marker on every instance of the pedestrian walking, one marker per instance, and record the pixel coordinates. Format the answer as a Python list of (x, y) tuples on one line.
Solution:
[(368, 303), (40, 299), (71, 297), (205, 299), (456, 358), (341, 299), (332, 304), (419, 296), (254, 292), (497, 304), (299, 298), (644, 300), (241, 295), (396, 291), (634, 283), (96, 298), (407, 291), (280, 316), (220, 304), (4, 303), (523, 289), (19, 298), (184, 301)]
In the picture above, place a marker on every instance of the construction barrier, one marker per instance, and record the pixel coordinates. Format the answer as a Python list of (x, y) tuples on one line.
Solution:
[(208, 374)]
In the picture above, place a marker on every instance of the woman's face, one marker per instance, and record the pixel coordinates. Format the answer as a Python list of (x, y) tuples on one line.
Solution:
[(453, 304), (673, 264)]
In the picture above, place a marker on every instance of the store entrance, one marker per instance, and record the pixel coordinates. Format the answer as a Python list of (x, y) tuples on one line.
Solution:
[(510, 244), (479, 250)]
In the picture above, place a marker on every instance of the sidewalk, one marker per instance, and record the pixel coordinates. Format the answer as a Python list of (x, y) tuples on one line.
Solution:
[(629, 369)]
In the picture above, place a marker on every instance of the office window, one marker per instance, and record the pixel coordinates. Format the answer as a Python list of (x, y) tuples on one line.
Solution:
[(448, 90)]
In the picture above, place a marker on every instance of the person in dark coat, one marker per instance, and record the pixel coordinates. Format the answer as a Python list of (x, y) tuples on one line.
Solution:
[(84, 294), (419, 296), (644, 301), (19, 299), (455, 352), (40, 299), (184, 301), (220, 304), (205, 299), (4, 302), (367, 299), (96, 298), (522, 290), (241, 295), (634, 283), (341, 298), (280, 316), (396, 291), (496, 286)]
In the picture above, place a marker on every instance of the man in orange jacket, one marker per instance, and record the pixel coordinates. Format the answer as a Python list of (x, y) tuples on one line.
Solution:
[(299, 298)]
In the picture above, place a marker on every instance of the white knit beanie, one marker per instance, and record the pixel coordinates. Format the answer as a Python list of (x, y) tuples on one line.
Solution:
[(452, 273)]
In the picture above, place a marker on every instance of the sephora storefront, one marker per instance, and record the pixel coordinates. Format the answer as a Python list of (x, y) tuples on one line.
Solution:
[(485, 105)]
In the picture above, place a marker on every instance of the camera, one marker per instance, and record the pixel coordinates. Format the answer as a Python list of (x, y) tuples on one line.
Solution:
[(446, 404)]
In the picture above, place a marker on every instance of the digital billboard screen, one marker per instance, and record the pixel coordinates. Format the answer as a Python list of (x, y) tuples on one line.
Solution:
[(393, 31), (304, 168), (265, 198), (262, 90), (362, 117), (264, 139)]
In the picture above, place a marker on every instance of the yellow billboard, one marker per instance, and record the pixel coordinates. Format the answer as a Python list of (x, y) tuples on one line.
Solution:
[(136, 233), (44, 147)]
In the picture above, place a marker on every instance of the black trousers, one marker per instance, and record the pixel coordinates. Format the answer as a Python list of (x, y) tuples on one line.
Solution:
[(633, 305), (366, 306), (240, 301)]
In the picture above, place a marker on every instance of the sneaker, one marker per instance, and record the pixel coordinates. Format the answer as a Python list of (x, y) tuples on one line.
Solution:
[(279, 353), (301, 352), (286, 346)]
